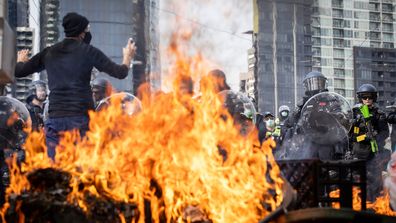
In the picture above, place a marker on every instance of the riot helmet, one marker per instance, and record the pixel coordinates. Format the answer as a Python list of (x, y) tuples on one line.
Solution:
[(241, 109), (15, 123), (129, 104), (101, 88), (367, 91), (284, 111), (269, 120), (268, 115), (314, 82), (37, 90)]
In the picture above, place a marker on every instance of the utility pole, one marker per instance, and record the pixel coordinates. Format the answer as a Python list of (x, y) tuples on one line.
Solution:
[(138, 26), (146, 66)]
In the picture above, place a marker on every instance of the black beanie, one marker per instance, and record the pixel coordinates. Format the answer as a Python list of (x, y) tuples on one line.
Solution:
[(74, 24)]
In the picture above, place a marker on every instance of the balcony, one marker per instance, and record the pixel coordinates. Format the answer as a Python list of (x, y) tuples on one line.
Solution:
[(387, 20), (374, 8), (375, 18), (337, 5)]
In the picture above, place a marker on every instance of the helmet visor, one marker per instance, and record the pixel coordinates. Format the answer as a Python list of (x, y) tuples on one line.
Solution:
[(315, 84)]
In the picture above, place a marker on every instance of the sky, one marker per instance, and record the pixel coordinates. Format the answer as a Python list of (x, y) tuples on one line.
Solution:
[(217, 32)]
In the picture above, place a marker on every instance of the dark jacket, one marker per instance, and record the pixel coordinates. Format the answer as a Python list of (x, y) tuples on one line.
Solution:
[(36, 115), (69, 64), (379, 126)]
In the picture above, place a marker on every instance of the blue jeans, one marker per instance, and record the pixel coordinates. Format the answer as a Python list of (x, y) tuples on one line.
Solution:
[(55, 126)]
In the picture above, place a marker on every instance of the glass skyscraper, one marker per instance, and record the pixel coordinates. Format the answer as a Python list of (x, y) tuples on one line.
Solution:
[(339, 25)]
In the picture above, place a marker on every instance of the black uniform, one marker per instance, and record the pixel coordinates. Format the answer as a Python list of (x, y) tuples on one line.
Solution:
[(36, 115), (367, 139), (361, 147), (392, 120)]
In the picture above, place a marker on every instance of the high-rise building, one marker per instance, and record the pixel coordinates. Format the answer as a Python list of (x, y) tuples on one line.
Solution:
[(283, 51), (49, 20), (111, 24), (18, 15), (284, 39), (20, 89), (376, 66), (338, 26), (7, 49)]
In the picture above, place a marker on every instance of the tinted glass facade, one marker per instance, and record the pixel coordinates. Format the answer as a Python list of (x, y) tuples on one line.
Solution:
[(284, 52), (376, 66)]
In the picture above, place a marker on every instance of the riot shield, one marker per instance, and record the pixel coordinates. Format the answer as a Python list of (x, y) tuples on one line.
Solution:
[(129, 103), (322, 129)]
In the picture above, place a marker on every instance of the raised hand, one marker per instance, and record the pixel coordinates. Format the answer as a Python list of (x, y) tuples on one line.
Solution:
[(23, 56)]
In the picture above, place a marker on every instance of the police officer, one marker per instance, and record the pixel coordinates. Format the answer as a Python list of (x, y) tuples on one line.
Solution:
[(367, 136), (14, 120), (35, 103), (392, 120), (272, 128), (314, 82), (284, 112), (101, 88)]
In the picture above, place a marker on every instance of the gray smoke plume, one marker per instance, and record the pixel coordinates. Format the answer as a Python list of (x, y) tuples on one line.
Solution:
[(216, 26)]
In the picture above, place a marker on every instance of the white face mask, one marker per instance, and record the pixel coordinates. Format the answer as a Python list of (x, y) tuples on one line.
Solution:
[(270, 124), (284, 114)]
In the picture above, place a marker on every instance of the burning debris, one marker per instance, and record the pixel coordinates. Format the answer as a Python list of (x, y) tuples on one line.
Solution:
[(161, 164), (47, 201)]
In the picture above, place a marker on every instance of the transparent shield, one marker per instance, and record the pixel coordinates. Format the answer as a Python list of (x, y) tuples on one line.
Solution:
[(128, 102), (326, 117), (238, 104), (322, 128), (15, 123)]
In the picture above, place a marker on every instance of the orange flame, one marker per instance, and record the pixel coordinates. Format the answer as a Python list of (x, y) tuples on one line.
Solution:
[(380, 206), (356, 200), (168, 154)]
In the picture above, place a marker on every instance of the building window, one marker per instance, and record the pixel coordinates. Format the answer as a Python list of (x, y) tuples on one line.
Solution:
[(339, 73), (361, 15), (349, 83), (326, 42), (349, 93), (347, 14), (339, 83), (374, 26), (348, 33), (338, 13), (387, 27), (388, 37), (361, 5), (339, 53), (325, 62), (339, 63), (338, 33), (365, 74), (340, 91), (348, 73)]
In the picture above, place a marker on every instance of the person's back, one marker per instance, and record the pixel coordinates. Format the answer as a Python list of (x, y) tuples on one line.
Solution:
[(69, 64)]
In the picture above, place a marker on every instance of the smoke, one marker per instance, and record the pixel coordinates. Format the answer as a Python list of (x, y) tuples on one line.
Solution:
[(216, 28)]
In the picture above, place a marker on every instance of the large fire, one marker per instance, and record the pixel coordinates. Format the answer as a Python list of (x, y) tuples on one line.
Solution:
[(167, 154)]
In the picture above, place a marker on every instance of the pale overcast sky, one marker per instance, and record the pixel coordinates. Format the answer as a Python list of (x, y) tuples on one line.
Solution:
[(217, 31)]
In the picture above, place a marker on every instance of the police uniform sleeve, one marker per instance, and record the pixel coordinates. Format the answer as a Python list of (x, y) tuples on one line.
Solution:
[(383, 128), (104, 64), (392, 118), (35, 64)]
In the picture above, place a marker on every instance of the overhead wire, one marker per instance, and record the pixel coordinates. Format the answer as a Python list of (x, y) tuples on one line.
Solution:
[(201, 24)]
